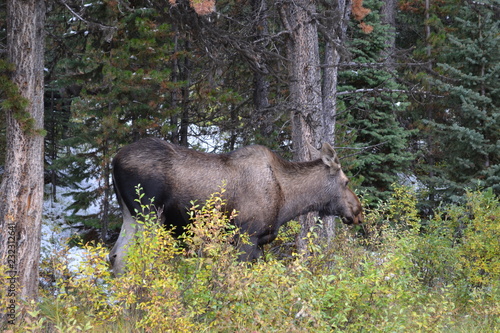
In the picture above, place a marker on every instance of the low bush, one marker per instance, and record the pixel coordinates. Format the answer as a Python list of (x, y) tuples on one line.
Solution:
[(403, 275)]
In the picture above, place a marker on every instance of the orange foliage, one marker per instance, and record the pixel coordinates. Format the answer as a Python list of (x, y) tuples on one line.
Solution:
[(366, 28), (201, 7), (358, 10), (360, 13)]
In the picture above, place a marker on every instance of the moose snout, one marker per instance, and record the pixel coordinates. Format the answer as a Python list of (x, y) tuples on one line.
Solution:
[(356, 216)]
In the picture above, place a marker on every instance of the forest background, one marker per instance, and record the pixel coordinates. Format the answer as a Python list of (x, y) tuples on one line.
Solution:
[(407, 91), (416, 99)]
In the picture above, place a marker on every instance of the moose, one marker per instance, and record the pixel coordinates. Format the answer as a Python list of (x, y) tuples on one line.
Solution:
[(264, 189)]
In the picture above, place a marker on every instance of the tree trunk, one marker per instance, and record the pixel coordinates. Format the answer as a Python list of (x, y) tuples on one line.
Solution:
[(305, 88), (261, 85), (181, 71), (21, 191), (106, 189), (186, 76), (304, 74), (388, 15), (313, 84), (336, 21)]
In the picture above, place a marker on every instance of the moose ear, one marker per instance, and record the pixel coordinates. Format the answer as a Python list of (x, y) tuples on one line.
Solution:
[(330, 158)]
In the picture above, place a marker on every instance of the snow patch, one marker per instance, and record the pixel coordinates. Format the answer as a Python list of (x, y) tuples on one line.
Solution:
[(56, 231)]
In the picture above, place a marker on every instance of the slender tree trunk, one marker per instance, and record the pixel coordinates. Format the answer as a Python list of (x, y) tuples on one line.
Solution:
[(181, 70), (428, 28), (186, 76), (336, 21), (388, 15), (304, 74), (175, 97), (261, 84), (106, 189), (21, 191), (429, 106)]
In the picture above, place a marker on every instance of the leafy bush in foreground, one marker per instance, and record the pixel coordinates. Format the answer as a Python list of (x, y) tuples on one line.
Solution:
[(405, 275)]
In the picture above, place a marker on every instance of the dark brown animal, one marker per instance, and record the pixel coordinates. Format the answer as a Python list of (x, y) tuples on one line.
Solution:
[(264, 189)]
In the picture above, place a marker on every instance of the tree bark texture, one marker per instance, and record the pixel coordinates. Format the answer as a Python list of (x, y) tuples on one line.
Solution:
[(388, 15), (21, 190), (336, 21), (335, 28), (262, 116), (305, 89), (304, 74), (312, 83)]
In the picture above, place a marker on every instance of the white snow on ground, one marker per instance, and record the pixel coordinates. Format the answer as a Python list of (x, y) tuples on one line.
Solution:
[(55, 230)]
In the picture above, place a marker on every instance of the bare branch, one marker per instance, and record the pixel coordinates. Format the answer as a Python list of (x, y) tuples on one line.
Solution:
[(107, 28), (368, 90), (496, 9)]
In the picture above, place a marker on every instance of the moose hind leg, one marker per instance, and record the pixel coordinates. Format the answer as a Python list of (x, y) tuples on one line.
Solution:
[(117, 255)]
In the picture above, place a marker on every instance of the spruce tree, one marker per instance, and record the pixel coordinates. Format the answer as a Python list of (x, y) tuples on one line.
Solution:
[(468, 132), (124, 74), (374, 103)]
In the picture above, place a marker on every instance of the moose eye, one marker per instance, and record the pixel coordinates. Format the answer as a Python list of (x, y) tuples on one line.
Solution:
[(346, 183)]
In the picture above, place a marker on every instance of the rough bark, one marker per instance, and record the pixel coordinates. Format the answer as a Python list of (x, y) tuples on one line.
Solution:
[(21, 190), (261, 103), (335, 27), (313, 82), (305, 92), (304, 74), (388, 14), (335, 21)]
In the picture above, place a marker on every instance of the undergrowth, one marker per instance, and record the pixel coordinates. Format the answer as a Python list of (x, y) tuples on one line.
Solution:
[(401, 275)]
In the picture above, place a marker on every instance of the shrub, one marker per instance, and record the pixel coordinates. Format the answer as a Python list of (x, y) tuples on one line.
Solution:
[(404, 275)]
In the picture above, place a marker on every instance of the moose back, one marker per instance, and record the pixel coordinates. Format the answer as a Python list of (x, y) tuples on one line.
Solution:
[(264, 189)]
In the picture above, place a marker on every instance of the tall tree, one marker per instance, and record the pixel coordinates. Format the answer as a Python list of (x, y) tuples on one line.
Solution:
[(375, 102), (469, 129), (21, 190), (388, 18), (458, 111), (124, 74), (261, 84), (313, 78)]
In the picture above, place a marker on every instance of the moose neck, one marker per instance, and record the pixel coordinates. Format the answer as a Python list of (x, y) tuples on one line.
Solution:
[(303, 188)]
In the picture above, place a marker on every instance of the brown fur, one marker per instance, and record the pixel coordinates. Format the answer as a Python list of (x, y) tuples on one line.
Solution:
[(264, 189)]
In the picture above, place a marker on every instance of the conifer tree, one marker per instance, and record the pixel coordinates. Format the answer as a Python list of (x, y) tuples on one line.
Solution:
[(374, 103), (469, 128), (457, 107), (124, 73)]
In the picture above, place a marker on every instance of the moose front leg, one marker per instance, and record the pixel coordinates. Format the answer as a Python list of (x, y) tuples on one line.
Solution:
[(249, 248)]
